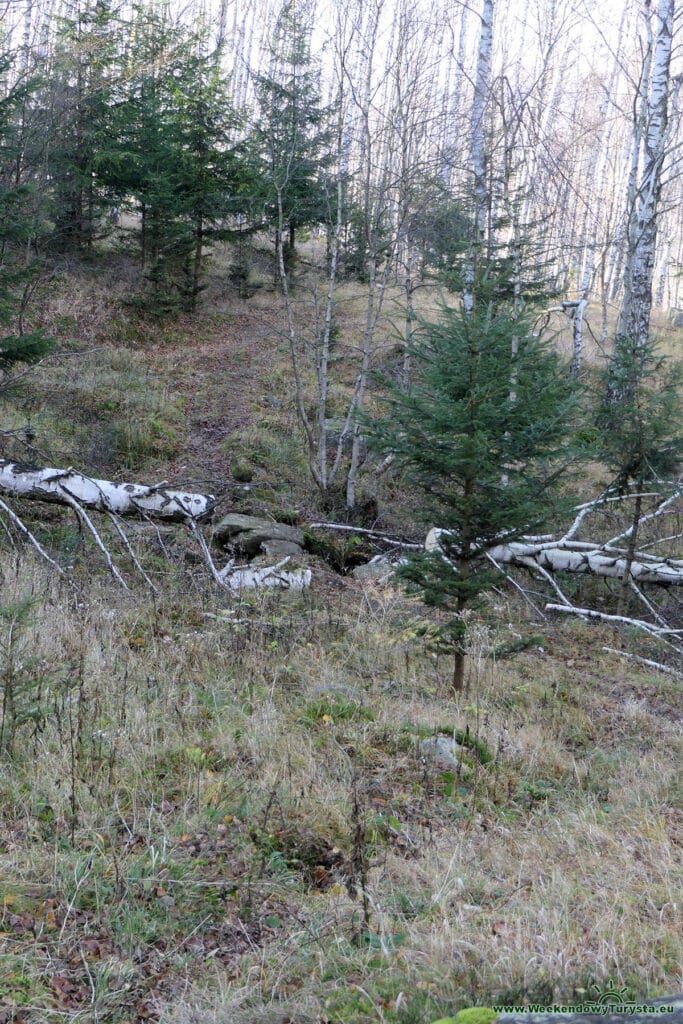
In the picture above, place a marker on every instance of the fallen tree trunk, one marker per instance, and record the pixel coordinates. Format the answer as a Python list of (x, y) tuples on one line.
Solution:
[(79, 492), (66, 486), (245, 578), (580, 557), (596, 561)]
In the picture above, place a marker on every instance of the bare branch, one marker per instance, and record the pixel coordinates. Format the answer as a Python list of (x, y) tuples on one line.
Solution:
[(27, 533), (122, 534), (645, 661), (88, 523)]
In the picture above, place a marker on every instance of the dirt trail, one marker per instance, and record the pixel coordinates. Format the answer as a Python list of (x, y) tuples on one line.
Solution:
[(221, 379)]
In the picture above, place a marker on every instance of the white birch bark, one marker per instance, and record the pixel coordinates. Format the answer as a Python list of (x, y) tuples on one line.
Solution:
[(634, 322), (247, 578), (597, 181), (577, 334), (579, 557), (478, 149), (66, 486)]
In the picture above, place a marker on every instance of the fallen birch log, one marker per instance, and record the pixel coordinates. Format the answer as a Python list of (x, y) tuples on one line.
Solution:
[(65, 486), (270, 576), (579, 557), (80, 492)]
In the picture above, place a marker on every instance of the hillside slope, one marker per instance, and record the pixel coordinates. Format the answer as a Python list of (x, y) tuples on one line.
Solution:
[(271, 808)]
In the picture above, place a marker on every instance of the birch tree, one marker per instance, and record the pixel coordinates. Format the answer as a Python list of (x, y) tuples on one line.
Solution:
[(478, 151), (634, 320)]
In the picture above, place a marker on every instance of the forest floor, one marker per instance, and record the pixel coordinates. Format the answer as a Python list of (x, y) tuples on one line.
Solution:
[(226, 810)]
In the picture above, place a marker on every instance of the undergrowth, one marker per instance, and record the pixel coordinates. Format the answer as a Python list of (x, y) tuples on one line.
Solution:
[(244, 810), (234, 817)]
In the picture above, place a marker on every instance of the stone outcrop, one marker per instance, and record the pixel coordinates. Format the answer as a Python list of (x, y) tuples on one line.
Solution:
[(251, 536), (380, 568), (444, 750)]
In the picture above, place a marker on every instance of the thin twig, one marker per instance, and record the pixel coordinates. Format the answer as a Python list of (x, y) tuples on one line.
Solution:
[(159, 538), (661, 540), (549, 579), (205, 551), (370, 533), (87, 522), (271, 569), (588, 613), (583, 511), (8, 533), (602, 499), (25, 530), (518, 587), (659, 511), (122, 534), (648, 604)]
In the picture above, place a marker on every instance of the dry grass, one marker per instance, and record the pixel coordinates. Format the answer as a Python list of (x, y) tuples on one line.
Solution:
[(197, 791), (178, 814)]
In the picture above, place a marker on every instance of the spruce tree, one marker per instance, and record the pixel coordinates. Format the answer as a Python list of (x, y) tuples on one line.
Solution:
[(481, 432), (292, 134), (210, 174), (172, 151), (76, 102), (18, 226)]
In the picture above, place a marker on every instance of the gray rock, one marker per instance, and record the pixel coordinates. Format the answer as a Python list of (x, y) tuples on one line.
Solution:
[(254, 541), (247, 534), (237, 522), (380, 568), (282, 548), (443, 748)]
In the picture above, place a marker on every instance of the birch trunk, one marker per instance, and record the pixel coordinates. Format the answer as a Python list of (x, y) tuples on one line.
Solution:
[(582, 557), (478, 149), (634, 322), (66, 487)]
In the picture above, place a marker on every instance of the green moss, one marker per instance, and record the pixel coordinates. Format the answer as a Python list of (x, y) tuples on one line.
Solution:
[(242, 472), (341, 553), (476, 1015)]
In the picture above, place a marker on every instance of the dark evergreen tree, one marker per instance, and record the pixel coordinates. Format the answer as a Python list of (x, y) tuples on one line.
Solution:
[(481, 432), (76, 102), (516, 271), (18, 226), (441, 230), (174, 154), (136, 166), (292, 133), (211, 176)]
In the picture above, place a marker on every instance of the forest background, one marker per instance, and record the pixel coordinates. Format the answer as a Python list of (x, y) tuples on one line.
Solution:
[(233, 236)]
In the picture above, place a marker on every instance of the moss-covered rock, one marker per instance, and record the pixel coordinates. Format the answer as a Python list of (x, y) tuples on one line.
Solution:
[(242, 472)]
